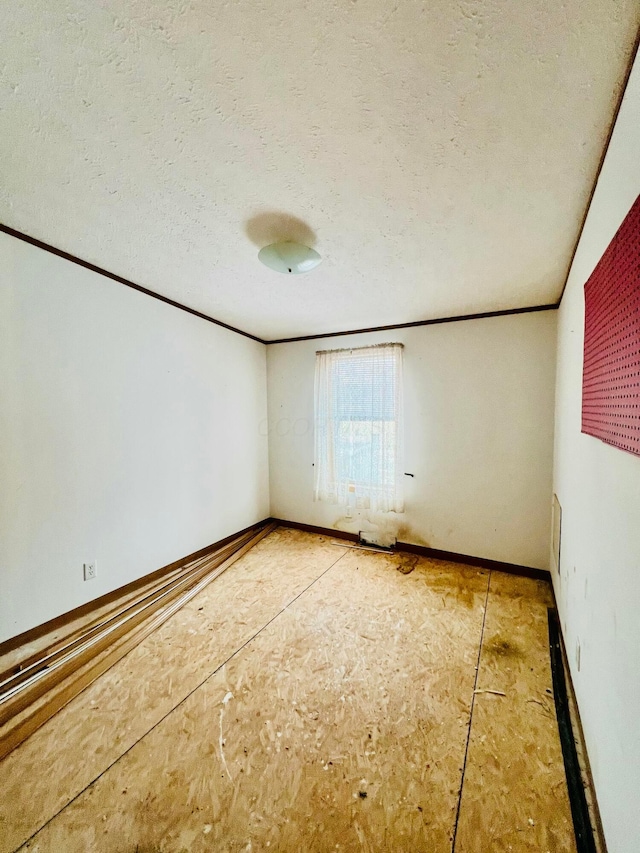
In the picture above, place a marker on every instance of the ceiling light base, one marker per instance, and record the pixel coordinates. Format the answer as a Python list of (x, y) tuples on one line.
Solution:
[(289, 258)]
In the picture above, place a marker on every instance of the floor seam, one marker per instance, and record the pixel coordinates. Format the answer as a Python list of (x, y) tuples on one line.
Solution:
[(473, 703), (184, 699)]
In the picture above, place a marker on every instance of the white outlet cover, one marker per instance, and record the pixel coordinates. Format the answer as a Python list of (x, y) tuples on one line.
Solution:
[(90, 570)]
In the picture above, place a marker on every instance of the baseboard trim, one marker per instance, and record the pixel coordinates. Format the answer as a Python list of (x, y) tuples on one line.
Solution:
[(432, 553), (479, 562), (585, 839), (578, 734), (57, 622), (313, 528)]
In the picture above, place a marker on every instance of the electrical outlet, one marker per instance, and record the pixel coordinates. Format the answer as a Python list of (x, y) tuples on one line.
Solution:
[(90, 570), (578, 655)]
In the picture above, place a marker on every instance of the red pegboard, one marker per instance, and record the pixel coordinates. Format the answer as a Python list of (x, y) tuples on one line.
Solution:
[(611, 368)]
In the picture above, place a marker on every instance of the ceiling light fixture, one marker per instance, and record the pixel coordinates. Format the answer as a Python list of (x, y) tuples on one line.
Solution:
[(289, 257)]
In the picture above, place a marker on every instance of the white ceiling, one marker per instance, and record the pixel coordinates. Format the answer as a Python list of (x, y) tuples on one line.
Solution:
[(442, 153)]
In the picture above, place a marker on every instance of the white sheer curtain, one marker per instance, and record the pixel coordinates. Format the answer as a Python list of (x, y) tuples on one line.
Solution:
[(358, 427)]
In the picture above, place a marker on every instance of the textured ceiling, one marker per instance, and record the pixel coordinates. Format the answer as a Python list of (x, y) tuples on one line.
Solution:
[(439, 155)]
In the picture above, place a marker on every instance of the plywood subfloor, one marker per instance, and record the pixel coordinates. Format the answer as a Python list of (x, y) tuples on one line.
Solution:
[(104, 721), (514, 796), (312, 698)]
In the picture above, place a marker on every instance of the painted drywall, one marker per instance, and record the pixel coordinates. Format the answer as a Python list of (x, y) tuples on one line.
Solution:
[(478, 435), (440, 154), (129, 433), (598, 486)]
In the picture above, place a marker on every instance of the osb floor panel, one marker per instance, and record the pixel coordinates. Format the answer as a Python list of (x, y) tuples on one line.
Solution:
[(97, 727), (514, 796), (312, 698)]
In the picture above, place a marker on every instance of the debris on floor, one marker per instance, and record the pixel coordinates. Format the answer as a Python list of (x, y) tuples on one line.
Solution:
[(406, 563)]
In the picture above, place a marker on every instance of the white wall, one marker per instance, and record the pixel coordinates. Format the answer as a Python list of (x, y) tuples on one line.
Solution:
[(129, 433), (598, 487), (478, 435)]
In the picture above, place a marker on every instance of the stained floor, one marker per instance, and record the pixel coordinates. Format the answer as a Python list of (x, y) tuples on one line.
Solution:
[(312, 698)]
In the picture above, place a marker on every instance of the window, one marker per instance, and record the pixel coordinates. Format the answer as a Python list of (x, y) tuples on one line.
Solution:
[(358, 427)]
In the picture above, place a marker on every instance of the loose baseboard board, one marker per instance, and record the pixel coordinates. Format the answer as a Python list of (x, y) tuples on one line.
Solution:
[(58, 622), (424, 551), (32, 694)]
